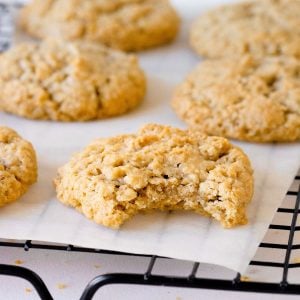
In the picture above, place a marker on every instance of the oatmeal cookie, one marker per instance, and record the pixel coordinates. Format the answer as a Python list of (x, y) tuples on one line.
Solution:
[(261, 27), (128, 25), (159, 168), (252, 99), (18, 166), (62, 81)]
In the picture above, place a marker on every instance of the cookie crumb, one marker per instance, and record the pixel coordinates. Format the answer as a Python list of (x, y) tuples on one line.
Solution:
[(245, 278), (28, 290), (61, 286), (97, 266), (19, 262), (296, 260)]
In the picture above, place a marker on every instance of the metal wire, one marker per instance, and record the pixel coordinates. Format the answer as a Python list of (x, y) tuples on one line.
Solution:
[(290, 241)]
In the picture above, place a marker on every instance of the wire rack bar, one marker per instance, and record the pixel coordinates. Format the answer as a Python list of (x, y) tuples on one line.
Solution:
[(193, 273), (200, 283), (28, 275), (150, 267), (290, 242)]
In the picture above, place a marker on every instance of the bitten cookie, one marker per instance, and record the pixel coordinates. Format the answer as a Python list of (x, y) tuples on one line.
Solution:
[(18, 166), (63, 81), (123, 24), (160, 168), (244, 98), (261, 27)]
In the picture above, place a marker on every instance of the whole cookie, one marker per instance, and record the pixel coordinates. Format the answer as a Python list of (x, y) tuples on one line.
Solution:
[(252, 99), (18, 166), (262, 27), (159, 168), (123, 24), (247, 98), (63, 81)]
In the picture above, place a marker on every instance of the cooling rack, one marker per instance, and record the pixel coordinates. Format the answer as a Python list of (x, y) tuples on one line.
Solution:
[(290, 205)]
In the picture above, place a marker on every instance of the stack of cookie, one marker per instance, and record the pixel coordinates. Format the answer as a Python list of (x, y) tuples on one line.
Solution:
[(247, 89)]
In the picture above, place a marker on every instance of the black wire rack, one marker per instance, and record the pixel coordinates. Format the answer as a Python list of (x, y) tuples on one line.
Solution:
[(148, 278)]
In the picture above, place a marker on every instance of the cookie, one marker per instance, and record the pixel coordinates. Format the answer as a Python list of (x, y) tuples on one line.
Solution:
[(159, 168), (129, 25), (251, 99), (63, 81), (261, 27), (18, 166)]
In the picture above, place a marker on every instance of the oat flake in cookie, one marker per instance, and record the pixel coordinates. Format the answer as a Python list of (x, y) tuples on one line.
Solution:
[(251, 99), (128, 25), (160, 168), (18, 166), (62, 81), (261, 27)]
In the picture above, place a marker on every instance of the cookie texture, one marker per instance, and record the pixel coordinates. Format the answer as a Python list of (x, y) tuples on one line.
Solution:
[(159, 168), (252, 99), (128, 25), (18, 166), (261, 27), (63, 81)]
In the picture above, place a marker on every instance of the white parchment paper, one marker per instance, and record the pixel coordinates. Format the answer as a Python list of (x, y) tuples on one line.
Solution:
[(39, 216)]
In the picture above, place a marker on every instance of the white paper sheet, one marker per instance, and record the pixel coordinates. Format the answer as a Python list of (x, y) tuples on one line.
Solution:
[(39, 216)]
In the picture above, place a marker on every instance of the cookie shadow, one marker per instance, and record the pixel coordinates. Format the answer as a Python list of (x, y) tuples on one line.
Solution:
[(44, 188)]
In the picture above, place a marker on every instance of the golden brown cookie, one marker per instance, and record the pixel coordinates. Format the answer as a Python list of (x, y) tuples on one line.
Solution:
[(18, 166), (62, 81), (123, 24), (252, 99), (261, 27), (160, 168)]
